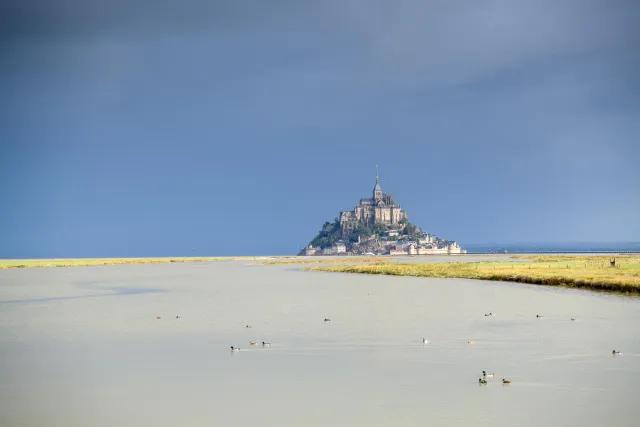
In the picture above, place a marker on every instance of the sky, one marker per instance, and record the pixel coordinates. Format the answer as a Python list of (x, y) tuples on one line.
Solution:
[(193, 127)]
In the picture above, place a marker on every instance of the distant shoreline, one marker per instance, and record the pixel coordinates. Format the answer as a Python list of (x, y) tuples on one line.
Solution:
[(543, 252), (91, 262), (274, 259)]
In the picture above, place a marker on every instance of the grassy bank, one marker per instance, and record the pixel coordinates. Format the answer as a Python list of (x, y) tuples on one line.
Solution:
[(88, 262), (586, 272)]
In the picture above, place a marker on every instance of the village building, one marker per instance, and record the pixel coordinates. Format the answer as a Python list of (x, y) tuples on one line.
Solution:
[(311, 251), (338, 248)]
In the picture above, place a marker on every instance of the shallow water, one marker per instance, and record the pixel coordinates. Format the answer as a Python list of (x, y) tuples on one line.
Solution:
[(82, 346)]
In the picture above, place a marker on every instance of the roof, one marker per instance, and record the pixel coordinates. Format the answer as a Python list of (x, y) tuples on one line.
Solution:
[(377, 187)]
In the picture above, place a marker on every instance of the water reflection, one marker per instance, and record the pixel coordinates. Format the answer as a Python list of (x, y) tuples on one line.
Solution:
[(114, 292)]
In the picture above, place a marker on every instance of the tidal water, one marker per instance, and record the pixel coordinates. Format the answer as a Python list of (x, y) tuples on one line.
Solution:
[(83, 347)]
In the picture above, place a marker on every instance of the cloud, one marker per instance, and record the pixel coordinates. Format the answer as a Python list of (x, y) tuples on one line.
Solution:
[(555, 61), (86, 18), (436, 42), (450, 42)]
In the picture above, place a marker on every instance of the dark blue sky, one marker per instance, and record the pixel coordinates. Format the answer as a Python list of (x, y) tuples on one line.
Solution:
[(141, 128)]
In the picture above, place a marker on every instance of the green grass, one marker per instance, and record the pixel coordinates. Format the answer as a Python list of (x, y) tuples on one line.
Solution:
[(87, 262), (586, 272)]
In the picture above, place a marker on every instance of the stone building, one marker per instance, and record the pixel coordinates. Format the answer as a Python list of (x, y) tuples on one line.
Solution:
[(381, 208), (335, 249), (447, 248), (311, 251)]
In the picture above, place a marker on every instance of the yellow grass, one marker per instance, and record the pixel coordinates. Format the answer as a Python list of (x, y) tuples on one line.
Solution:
[(579, 257), (588, 272), (87, 262)]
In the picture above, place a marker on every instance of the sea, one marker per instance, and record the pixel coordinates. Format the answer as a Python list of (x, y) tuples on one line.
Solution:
[(551, 248)]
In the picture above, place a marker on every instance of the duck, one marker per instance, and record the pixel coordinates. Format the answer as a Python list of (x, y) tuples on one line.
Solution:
[(252, 343), (327, 319), (489, 314), (178, 317), (573, 318), (266, 344), (484, 374), (481, 381), (424, 340), (504, 381), (469, 341), (538, 316), (248, 326), (234, 348), (616, 352), (158, 317)]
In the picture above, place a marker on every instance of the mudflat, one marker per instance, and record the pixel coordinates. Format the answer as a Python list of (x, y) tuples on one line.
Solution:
[(84, 346)]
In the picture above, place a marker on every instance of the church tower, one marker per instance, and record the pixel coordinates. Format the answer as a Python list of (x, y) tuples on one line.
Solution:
[(377, 191)]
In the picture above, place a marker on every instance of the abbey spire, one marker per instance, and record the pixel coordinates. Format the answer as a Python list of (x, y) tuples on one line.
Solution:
[(377, 191)]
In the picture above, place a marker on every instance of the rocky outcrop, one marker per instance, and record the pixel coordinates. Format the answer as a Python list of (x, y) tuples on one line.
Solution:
[(371, 245)]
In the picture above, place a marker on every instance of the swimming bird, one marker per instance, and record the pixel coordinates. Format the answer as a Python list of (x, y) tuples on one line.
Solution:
[(424, 340), (327, 319), (248, 326), (505, 381), (266, 344), (481, 381), (573, 318), (252, 343), (178, 317), (158, 317), (484, 374), (234, 348), (469, 342), (538, 316), (489, 314), (616, 352)]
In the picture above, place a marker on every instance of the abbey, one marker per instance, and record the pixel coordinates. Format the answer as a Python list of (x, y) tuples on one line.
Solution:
[(381, 208)]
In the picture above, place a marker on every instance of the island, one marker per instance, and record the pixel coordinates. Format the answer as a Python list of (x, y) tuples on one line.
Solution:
[(377, 226)]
